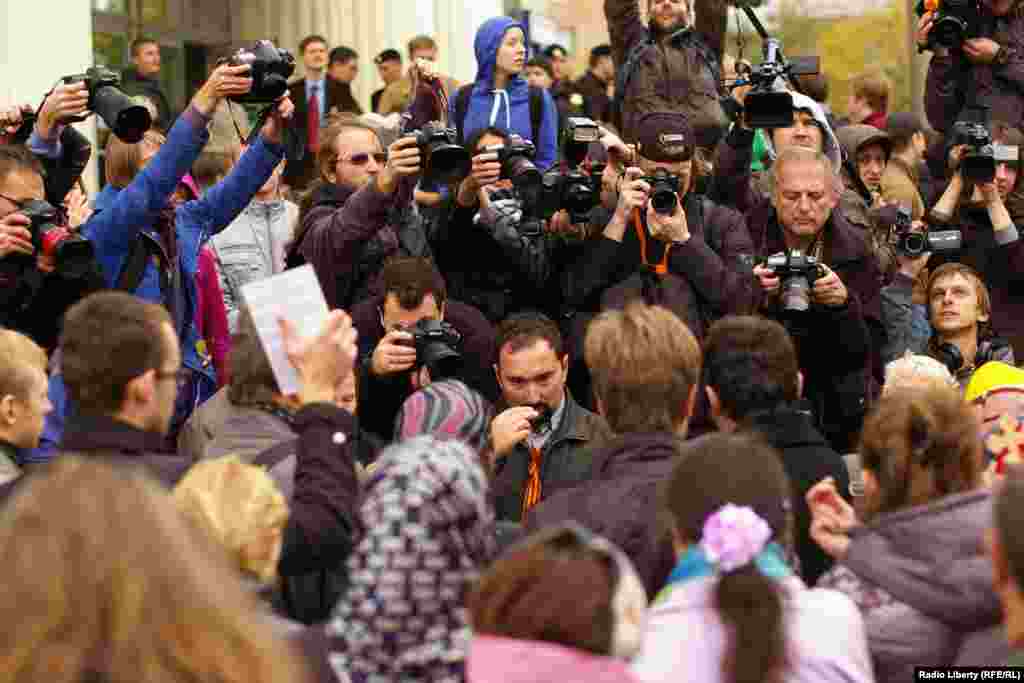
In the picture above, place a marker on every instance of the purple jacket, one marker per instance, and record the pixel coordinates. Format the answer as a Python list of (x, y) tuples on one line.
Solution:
[(923, 581)]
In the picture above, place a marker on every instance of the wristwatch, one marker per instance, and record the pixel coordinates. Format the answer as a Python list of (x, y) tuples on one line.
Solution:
[(1002, 56)]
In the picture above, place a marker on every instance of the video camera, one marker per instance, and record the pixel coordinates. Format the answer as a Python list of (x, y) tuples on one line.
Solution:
[(271, 67), (444, 161), (72, 255), (119, 112), (797, 273), (574, 190), (911, 243), (978, 162), (953, 22), (437, 345)]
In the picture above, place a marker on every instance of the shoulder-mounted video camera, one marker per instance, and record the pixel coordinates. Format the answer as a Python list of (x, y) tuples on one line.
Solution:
[(910, 243)]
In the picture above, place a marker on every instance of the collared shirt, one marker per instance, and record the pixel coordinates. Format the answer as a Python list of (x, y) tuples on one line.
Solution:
[(539, 440), (321, 93)]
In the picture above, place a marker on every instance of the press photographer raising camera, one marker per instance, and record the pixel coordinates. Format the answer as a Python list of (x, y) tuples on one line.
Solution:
[(985, 68), (987, 214), (840, 333)]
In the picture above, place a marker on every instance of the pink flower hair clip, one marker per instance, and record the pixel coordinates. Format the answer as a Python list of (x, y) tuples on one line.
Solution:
[(733, 536)]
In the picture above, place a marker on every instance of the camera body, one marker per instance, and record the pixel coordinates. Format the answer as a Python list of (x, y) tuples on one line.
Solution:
[(978, 162), (129, 121), (953, 21), (444, 160), (912, 243), (72, 255), (769, 104), (664, 193), (797, 273), (574, 191), (438, 346), (516, 159), (271, 68), (577, 135)]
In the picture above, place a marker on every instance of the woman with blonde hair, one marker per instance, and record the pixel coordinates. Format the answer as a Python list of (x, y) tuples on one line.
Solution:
[(105, 580)]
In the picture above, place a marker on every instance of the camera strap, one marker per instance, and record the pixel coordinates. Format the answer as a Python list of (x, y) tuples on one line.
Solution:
[(660, 268)]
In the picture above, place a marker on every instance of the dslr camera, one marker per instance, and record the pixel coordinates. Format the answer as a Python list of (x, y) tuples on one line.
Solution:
[(444, 161), (769, 104), (575, 191), (437, 345), (954, 21), (912, 243), (72, 254), (271, 68), (978, 163), (120, 113), (797, 273), (516, 159), (664, 191)]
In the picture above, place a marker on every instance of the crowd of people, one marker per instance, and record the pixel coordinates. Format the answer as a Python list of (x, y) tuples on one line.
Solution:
[(617, 383)]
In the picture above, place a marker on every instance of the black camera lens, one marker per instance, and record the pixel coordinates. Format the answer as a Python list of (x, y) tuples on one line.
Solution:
[(128, 120), (446, 163), (74, 256), (948, 31), (663, 200), (978, 167), (579, 197), (521, 171), (914, 244), (768, 109), (795, 293)]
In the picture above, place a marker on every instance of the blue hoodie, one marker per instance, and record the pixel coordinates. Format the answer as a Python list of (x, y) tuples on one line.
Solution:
[(507, 109)]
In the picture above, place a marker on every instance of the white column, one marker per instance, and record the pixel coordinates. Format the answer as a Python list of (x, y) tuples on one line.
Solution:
[(44, 41), (457, 23)]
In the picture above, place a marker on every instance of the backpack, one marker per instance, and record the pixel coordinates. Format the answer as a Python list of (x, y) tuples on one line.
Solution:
[(536, 111)]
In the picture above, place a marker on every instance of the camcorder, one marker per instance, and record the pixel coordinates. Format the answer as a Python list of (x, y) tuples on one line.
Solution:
[(72, 255), (271, 67), (574, 190), (664, 192), (129, 121), (953, 21), (444, 160), (910, 243), (516, 159), (797, 273), (978, 162), (769, 104), (437, 345)]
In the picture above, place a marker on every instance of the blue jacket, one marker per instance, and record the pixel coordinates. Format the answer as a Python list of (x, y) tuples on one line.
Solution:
[(507, 109), (114, 228)]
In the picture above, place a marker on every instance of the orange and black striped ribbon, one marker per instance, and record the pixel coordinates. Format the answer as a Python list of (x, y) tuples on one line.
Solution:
[(531, 494)]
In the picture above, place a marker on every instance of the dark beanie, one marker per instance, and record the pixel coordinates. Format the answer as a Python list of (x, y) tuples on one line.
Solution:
[(665, 137)]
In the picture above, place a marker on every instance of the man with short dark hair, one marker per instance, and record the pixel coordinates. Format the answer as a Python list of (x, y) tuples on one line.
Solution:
[(753, 382), (598, 82), (342, 68), (143, 79), (540, 434), (389, 68), (900, 182), (389, 369)]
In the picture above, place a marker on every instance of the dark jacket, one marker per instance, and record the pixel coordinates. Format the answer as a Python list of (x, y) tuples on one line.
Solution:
[(704, 280), (565, 460), (299, 172), (838, 348), (134, 84), (119, 442), (953, 81), (680, 72), (808, 459), (382, 397), (619, 500), (923, 581), (595, 93)]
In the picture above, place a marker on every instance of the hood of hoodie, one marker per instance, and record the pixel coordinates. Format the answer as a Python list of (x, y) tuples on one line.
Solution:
[(830, 143), (528, 661), (508, 108), (488, 40), (852, 138)]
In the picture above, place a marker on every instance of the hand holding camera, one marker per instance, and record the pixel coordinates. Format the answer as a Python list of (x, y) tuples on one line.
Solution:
[(273, 129), (484, 171), (633, 192), (394, 353), (829, 290), (15, 236), (65, 104), (225, 81), (403, 161), (981, 50), (668, 228), (511, 427)]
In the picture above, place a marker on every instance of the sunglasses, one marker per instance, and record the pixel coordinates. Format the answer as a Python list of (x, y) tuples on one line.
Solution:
[(363, 158)]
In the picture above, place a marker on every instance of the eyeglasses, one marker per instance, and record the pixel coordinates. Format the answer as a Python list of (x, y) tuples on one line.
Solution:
[(363, 158)]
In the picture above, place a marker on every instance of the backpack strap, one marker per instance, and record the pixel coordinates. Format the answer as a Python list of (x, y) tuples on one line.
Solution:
[(625, 75), (134, 266), (461, 107), (536, 113)]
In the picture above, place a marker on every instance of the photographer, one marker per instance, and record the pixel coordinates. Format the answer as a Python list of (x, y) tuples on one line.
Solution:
[(684, 256), (670, 65), (491, 255), (390, 368), (985, 70), (987, 214), (839, 332)]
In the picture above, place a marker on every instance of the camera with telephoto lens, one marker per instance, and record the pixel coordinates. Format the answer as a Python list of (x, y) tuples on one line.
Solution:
[(911, 243), (72, 255), (978, 162), (271, 67), (572, 190), (953, 21), (769, 104), (437, 345), (516, 159), (444, 161), (119, 112), (797, 273), (664, 191)]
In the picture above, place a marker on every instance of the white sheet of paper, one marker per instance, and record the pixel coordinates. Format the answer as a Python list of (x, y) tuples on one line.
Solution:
[(296, 296)]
